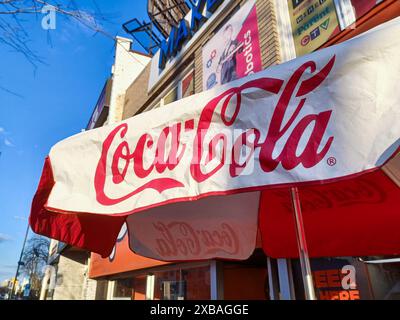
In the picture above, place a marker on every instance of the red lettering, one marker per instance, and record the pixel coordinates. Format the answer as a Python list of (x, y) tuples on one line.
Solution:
[(154, 155), (180, 238)]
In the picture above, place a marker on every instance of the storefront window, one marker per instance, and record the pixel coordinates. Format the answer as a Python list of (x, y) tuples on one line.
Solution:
[(130, 288), (188, 85), (101, 289), (171, 96), (183, 284), (347, 278), (183, 88), (384, 278), (123, 289), (189, 283)]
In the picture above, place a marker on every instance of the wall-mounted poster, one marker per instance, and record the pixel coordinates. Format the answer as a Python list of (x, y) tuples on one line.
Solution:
[(313, 23), (234, 51)]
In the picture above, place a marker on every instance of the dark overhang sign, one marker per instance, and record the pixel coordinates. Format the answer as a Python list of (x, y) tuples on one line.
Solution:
[(181, 34)]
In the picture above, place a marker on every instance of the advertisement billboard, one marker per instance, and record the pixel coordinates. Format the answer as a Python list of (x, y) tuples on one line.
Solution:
[(234, 51), (313, 23)]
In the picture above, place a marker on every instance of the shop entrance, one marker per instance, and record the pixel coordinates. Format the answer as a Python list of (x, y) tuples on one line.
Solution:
[(257, 278), (352, 278)]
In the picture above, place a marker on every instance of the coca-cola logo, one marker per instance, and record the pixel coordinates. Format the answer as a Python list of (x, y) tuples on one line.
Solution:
[(149, 159), (181, 239)]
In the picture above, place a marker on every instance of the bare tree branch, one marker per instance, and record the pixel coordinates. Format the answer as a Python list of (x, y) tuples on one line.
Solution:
[(34, 259), (13, 33)]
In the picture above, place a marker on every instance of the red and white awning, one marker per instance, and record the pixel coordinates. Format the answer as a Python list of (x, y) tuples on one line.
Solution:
[(330, 116)]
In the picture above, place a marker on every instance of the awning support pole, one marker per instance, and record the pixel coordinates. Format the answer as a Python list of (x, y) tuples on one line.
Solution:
[(302, 246)]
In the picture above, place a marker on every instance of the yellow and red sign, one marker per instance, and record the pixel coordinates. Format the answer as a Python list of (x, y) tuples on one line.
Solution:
[(313, 23)]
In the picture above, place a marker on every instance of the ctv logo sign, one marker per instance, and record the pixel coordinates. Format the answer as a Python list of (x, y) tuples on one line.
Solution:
[(185, 30)]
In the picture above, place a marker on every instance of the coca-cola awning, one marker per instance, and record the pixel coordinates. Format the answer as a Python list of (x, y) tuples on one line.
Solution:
[(353, 217), (326, 117)]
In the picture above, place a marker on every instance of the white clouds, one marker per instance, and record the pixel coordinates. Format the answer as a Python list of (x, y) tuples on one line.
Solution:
[(8, 142), (4, 136), (4, 238), (20, 218)]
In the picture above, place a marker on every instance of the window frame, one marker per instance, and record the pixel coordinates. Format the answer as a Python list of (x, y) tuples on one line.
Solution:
[(176, 85)]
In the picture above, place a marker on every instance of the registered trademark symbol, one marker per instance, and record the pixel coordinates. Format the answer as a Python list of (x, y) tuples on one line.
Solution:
[(331, 161)]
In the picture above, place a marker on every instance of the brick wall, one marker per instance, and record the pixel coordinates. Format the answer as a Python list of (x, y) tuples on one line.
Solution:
[(136, 95), (267, 26), (198, 71)]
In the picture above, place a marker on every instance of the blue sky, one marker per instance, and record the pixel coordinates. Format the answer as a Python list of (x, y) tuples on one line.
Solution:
[(54, 101)]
